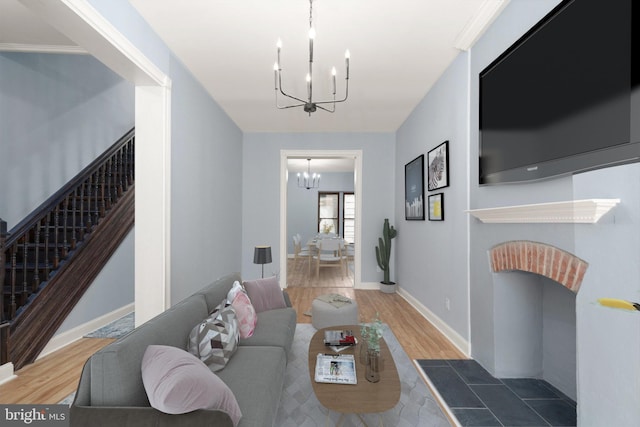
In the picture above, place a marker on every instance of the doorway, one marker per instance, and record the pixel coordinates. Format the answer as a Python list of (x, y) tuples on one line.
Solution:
[(341, 175)]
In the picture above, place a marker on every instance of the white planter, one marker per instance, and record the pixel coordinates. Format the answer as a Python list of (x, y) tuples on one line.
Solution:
[(388, 289)]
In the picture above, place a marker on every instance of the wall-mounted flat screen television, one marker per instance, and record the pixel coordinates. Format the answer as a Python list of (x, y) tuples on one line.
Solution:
[(565, 98)]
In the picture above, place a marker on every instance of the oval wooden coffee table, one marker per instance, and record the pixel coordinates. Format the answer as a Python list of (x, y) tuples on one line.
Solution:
[(364, 397)]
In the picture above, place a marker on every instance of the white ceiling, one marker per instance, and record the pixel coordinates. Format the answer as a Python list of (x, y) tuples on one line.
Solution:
[(398, 50), (21, 30)]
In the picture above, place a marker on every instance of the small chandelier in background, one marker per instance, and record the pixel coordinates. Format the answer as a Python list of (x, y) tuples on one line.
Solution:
[(309, 105), (308, 181)]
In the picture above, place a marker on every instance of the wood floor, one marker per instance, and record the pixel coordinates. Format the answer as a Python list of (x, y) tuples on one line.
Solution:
[(302, 273), (55, 376)]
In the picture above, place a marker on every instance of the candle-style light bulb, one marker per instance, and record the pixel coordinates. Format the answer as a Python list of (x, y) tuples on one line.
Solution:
[(347, 56), (333, 79), (279, 46), (312, 35), (275, 74)]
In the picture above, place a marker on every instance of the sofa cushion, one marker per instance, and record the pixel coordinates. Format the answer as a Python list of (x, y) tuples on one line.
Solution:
[(115, 369), (177, 382), (247, 317), (274, 328), (265, 294), (255, 375), (215, 339)]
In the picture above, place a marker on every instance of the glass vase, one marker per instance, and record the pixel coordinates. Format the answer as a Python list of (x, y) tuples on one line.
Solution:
[(364, 349), (373, 366)]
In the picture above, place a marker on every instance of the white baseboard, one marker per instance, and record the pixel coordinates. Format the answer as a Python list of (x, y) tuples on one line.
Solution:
[(6, 373), (455, 338), (368, 285), (67, 337)]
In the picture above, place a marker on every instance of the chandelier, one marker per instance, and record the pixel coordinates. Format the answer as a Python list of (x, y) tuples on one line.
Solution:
[(308, 104), (308, 181)]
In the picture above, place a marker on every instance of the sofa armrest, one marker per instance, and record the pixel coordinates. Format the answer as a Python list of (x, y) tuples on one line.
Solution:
[(110, 416), (287, 300)]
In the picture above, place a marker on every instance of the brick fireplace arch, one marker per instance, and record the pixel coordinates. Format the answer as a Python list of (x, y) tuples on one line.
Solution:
[(540, 258)]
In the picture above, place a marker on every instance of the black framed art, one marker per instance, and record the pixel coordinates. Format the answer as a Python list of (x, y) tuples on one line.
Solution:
[(414, 189), (436, 207), (438, 170)]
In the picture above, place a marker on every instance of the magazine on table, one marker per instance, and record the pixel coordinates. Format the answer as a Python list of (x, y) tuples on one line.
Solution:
[(336, 369), (339, 348)]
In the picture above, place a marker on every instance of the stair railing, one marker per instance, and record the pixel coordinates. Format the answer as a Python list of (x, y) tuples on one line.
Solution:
[(39, 244)]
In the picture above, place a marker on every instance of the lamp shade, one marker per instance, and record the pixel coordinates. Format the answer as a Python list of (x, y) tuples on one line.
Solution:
[(262, 255)]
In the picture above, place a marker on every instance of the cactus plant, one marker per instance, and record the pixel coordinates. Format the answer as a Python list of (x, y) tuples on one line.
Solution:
[(383, 250)]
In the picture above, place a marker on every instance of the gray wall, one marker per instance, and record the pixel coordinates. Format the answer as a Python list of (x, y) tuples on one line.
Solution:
[(607, 373), (206, 165), (261, 190), (206, 186), (432, 256), (302, 204), (57, 114)]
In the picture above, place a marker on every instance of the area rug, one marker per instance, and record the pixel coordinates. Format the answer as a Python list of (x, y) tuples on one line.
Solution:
[(300, 408), (116, 329)]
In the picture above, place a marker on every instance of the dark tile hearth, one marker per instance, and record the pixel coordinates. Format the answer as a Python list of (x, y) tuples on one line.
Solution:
[(476, 398)]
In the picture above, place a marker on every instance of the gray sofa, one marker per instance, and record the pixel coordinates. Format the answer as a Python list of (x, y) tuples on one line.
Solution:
[(111, 392)]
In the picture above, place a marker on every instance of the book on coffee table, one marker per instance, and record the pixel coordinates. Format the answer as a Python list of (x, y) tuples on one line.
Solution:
[(336, 369), (339, 337)]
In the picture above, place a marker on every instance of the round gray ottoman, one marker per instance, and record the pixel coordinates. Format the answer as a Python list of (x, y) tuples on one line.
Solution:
[(333, 310)]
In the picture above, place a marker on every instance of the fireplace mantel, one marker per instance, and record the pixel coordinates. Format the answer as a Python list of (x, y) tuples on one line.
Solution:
[(587, 211)]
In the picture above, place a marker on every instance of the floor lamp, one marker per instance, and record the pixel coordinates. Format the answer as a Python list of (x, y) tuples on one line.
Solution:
[(262, 255)]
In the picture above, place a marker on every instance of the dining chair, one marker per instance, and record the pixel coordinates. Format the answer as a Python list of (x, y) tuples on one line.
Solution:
[(300, 253), (329, 255), (349, 255)]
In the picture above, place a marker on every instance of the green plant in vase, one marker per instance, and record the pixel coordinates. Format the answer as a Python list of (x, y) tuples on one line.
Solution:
[(370, 350)]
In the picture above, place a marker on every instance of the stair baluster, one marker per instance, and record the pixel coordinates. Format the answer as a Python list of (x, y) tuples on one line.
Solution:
[(40, 283)]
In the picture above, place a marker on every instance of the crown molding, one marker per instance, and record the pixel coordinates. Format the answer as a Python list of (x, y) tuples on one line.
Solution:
[(41, 48), (479, 22)]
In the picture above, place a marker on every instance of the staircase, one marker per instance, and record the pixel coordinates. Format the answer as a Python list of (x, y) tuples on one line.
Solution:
[(51, 258)]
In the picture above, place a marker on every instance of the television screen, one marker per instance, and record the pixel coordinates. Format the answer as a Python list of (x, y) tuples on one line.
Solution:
[(559, 100)]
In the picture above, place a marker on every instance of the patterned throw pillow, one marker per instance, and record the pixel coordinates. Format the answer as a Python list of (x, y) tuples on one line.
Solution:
[(247, 317), (215, 339)]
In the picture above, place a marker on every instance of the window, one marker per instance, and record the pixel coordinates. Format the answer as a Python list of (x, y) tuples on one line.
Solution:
[(328, 212), (349, 217)]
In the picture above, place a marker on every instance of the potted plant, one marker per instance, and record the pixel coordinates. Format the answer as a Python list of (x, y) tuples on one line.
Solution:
[(383, 255), (371, 333)]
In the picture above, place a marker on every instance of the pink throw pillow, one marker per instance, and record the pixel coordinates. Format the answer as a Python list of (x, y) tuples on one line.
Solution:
[(265, 294), (177, 382), (245, 313)]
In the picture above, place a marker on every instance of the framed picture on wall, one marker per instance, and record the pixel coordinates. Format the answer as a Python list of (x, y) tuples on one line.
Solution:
[(414, 189), (438, 169), (436, 207)]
